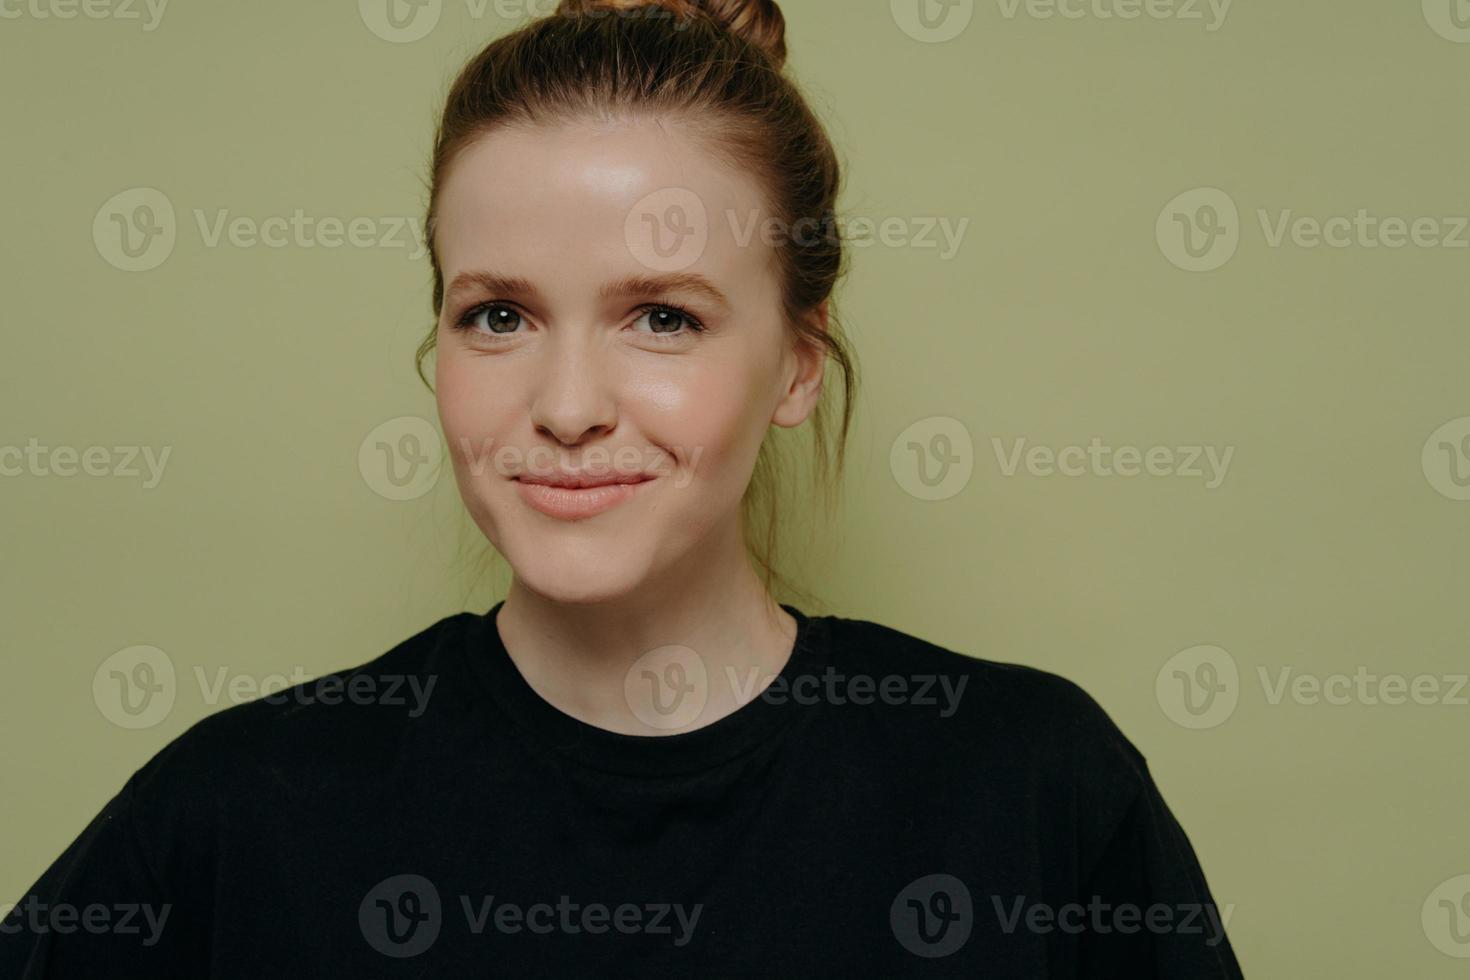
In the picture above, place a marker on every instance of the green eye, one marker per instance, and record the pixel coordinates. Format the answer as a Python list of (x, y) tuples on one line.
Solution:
[(665, 319), (497, 315)]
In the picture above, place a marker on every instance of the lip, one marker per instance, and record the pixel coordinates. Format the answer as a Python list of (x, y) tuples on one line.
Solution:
[(580, 481), (577, 503)]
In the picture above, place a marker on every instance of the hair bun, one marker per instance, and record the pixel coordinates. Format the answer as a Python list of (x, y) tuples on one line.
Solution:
[(757, 21)]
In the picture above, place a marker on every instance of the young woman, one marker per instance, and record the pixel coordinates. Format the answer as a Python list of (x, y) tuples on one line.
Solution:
[(639, 763)]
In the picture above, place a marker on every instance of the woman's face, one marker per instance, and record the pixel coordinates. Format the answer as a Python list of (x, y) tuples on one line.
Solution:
[(566, 254)]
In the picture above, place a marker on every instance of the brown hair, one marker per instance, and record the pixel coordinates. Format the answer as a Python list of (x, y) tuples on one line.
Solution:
[(716, 65)]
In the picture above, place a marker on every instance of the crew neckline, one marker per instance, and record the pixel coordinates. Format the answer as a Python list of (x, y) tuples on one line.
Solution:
[(720, 741)]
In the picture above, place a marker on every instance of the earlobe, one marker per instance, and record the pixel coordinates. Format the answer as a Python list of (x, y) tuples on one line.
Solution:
[(805, 387)]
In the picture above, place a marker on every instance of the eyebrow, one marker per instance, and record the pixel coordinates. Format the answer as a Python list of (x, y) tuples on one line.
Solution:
[(639, 285)]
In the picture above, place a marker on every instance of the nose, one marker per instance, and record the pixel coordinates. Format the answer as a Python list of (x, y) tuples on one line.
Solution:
[(572, 397)]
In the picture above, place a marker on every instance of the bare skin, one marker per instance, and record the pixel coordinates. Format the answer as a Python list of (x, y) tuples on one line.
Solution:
[(547, 372)]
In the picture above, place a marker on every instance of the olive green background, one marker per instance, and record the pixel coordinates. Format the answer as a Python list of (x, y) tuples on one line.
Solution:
[(1333, 545)]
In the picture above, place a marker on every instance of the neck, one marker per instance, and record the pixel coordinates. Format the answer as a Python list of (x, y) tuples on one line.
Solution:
[(715, 614)]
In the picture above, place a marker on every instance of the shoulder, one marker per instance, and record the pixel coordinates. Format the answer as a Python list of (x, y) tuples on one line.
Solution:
[(318, 729), (1010, 691), (991, 708)]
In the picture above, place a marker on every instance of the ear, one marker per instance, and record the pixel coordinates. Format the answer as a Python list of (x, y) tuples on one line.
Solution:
[(805, 366)]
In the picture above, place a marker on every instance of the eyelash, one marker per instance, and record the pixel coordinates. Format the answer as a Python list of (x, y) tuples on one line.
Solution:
[(691, 322)]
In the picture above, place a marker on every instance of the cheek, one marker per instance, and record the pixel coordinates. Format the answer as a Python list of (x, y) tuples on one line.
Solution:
[(468, 407), (710, 422)]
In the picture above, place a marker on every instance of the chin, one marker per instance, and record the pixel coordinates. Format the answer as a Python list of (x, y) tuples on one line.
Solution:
[(577, 567), (582, 588)]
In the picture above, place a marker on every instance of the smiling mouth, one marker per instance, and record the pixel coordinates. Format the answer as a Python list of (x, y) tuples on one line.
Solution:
[(578, 503)]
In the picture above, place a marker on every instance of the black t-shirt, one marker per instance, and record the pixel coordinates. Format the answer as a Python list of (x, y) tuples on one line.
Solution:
[(886, 808)]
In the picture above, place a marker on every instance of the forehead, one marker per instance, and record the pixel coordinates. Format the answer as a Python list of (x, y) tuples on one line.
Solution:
[(594, 195)]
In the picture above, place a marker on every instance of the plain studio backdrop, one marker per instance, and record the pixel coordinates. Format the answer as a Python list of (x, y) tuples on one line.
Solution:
[(1161, 314)]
